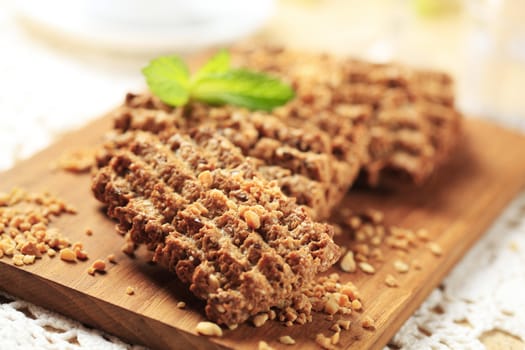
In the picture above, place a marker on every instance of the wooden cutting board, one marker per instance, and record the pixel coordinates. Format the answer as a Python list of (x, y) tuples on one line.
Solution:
[(457, 206)]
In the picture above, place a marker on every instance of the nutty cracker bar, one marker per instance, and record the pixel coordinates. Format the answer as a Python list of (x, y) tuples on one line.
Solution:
[(412, 122), (307, 162), (240, 243)]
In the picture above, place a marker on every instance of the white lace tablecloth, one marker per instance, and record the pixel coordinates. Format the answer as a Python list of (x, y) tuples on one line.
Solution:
[(45, 90)]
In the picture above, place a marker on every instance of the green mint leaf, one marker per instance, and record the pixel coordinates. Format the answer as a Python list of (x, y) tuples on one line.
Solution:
[(242, 88), (219, 63), (168, 78)]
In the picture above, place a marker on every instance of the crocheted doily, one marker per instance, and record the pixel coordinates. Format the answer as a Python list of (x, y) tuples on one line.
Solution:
[(485, 292)]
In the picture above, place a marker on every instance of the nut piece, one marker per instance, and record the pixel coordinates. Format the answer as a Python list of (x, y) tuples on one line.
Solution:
[(28, 259), (345, 324), (401, 266), (112, 259), (391, 281), (348, 262), (252, 219), (367, 268), (209, 329), (331, 306), (287, 340), (67, 254), (130, 290), (181, 305), (356, 305), (260, 319), (335, 338), (264, 346), (368, 323), (435, 248), (324, 341), (99, 265)]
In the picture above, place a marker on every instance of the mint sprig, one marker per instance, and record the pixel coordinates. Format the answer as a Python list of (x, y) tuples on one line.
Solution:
[(215, 83)]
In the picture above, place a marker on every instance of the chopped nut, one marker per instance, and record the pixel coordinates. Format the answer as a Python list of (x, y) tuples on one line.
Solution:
[(91, 271), (18, 259), (324, 341), (130, 290), (335, 327), (368, 323), (356, 305), (264, 346), (287, 340), (28, 259), (348, 263), (81, 254), (367, 268), (51, 252), (345, 324), (331, 305), (181, 305), (401, 266), (260, 319), (67, 254), (99, 265), (252, 219), (335, 338), (209, 329), (435, 248), (391, 281), (112, 259)]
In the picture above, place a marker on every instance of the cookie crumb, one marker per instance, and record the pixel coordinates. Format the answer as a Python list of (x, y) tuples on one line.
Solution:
[(130, 290)]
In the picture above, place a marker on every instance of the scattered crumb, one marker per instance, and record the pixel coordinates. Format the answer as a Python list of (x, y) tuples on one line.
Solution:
[(391, 281), (348, 263), (401, 266), (25, 235), (335, 327), (264, 346), (356, 305), (335, 338), (99, 265), (209, 329), (423, 234), (435, 248), (67, 254), (89, 232), (345, 324), (77, 161), (324, 341), (260, 319), (130, 290), (367, 268), (181, 305), (112, 259), (91, 271), (368, 323), (287, 340)]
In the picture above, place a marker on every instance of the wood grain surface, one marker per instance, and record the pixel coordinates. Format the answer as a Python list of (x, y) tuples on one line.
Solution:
[(457, 206)]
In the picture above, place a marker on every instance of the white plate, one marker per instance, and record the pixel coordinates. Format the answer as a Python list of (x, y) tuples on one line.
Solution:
[(147, 26)]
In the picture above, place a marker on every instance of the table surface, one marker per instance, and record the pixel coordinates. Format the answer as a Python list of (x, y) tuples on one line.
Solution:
[(44, 81)]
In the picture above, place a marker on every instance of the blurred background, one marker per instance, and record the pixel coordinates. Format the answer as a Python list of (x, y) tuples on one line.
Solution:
[(64, 62)]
